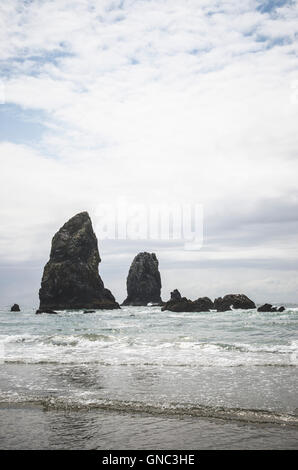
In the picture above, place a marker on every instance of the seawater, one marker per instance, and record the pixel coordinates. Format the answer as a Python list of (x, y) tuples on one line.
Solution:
[(142, 378)]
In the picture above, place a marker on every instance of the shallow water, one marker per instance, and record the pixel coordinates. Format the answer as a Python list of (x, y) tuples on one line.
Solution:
[(142, 378)]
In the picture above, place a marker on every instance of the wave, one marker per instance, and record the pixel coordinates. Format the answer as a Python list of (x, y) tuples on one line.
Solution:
[(111, 349), (182, 341), (257, 416)]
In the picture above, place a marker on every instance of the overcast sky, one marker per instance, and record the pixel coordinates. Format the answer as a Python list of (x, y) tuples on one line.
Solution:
[(192, 101)]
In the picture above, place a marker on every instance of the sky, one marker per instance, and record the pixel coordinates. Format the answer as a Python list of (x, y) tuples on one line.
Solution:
[(150, 102)]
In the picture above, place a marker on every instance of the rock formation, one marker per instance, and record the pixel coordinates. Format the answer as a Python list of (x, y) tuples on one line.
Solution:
[(175, 296), (182, 304), (270, 308), (70, 278), (203, 304), (15, 308), (143, 281), (222, 304)]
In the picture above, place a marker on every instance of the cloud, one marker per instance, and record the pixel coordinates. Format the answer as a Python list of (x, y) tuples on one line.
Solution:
[(152, 101)]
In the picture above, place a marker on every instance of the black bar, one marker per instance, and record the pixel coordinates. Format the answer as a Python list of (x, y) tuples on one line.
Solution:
[(149, 458)]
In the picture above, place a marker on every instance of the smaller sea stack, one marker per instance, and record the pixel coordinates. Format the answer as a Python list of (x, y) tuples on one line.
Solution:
[(143, 281)]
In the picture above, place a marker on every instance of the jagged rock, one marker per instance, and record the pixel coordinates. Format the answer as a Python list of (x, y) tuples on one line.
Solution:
[(70, 278), (223, 304), (270, 308), (143, 281), (174, 301), (204, 304), (175, 295), (182, 304), (15, 308)]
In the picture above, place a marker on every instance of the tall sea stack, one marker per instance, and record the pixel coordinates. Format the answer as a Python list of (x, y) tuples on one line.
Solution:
[(143, 281), (70, 278)]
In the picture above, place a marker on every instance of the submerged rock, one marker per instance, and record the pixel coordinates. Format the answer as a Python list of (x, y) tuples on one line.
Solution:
[(223, 304), (15, 308), (270, 308), (182, 304), (143, 281), (46, 310), (70, 278)]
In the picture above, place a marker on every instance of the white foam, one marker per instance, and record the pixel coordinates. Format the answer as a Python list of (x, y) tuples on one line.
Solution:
[(111, 349)]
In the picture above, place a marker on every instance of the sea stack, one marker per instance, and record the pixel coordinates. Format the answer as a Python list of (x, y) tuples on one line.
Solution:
[(70, 278), (143, 281)]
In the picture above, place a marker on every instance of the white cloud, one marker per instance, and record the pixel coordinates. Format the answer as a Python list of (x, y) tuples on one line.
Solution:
[(149, 100)]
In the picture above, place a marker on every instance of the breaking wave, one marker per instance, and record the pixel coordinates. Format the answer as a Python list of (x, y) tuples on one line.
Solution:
[(110, 349)]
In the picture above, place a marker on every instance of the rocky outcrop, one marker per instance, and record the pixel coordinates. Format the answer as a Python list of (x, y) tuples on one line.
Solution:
[(182, 304), (143, 281), (270, 308), (70, 278), (223, 304), (15, 308), (178, 305)]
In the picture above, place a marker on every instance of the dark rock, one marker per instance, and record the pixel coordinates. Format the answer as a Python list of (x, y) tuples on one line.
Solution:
[(223, 304), (89, 311), (15, 308), (266, 308), (46, 310), (143, 281), (270, 308), (175, 295), (203, 304), (182, 304), (70, 278)]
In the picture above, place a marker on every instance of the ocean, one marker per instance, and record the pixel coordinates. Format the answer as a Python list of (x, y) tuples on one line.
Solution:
[(139, 378)]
